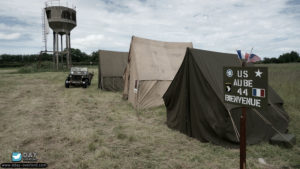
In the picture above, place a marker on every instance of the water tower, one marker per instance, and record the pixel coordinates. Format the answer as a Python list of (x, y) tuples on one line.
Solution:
[(61, 19)]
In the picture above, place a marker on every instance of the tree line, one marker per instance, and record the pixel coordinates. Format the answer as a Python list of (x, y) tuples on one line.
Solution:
[(284, 58), (79, 57)]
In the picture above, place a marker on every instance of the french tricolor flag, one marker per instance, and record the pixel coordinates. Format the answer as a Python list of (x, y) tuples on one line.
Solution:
[(240, 55), (258, 92)]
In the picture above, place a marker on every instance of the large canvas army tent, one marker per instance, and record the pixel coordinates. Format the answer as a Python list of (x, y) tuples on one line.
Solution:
[(151, 67), (111, 69), (195, 104)]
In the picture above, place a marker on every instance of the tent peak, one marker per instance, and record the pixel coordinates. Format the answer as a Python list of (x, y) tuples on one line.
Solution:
[(156, 41)]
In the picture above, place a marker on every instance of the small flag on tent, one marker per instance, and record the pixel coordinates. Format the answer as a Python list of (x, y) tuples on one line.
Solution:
[(240, 55), (247, 56), (258, 92), (253, 58)]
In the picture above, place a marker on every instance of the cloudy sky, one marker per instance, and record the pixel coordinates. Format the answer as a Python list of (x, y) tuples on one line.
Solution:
[(270, 27)]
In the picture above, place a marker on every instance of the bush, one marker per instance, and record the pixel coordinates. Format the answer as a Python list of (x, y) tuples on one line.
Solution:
[(84, 63), (26, 69), (284, 58), (11, 64), (44, 67), (289, 57)]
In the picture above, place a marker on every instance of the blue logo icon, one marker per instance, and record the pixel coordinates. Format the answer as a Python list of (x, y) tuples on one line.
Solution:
[(16, 157)]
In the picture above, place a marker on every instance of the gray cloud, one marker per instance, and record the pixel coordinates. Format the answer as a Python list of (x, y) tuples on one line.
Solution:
[(224, 26), (11, 36)]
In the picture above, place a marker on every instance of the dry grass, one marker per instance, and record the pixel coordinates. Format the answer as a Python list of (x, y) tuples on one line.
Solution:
[(89, 128)]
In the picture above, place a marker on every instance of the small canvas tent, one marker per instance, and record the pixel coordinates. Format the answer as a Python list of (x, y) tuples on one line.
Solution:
[(195, 104), (111, 68), (151, 67)]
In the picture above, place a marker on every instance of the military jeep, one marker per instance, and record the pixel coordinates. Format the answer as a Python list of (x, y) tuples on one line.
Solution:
[(79, 77)]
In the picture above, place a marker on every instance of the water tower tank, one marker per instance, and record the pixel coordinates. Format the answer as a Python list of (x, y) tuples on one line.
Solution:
[(61, 19)]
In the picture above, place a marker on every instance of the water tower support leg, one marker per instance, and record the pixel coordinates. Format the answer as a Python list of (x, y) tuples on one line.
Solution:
[(70, 57), (53, 58), (62, 49), (68, 51), (56, 52)]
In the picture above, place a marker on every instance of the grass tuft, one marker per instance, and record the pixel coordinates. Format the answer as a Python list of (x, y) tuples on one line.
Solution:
[(121, 136), (83, 165), (92, 147)]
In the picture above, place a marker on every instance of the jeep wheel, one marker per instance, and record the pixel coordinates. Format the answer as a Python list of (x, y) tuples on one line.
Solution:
[(67, 85), (85, 83)]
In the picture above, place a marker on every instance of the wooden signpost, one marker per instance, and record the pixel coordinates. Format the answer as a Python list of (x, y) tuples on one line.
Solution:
[(248, 87)]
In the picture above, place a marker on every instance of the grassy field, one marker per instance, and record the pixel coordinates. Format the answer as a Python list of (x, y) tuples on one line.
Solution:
[(80, 128)]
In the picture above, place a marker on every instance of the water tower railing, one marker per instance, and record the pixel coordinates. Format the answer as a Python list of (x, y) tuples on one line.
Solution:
[(58, 3)]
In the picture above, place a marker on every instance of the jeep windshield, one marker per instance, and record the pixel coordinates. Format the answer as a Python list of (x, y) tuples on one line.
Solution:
[(78, 70)]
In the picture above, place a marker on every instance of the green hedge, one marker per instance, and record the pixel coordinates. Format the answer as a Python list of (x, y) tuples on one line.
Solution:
[(13, 64)]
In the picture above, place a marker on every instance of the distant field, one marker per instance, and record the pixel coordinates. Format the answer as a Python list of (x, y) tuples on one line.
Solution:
[(89, 129)]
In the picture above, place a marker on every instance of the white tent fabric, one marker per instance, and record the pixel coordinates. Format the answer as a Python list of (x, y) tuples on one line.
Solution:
[(151, 67)]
